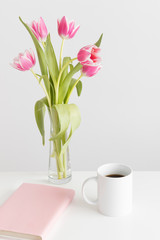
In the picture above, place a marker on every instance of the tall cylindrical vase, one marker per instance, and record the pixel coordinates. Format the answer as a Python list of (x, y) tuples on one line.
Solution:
[(59, 171)]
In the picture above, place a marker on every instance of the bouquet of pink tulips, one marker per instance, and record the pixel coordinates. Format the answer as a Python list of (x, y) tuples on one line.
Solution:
[(58, 82)]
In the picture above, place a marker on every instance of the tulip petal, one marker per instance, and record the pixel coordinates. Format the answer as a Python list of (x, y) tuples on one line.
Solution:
[(42, 29), (95, 54), (89, 70), (25, 62), (95, 58), (74, 32), (33, 56), (36, 34), (30, 55), (17, 60), (87, 62), (88, 48), (34, 26), (83, 55), (95, 49), (17, 66), (58, 22), (63, 27), (71, 27)]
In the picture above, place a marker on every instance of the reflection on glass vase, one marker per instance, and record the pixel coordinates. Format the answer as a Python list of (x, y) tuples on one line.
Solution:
[(59, 171)]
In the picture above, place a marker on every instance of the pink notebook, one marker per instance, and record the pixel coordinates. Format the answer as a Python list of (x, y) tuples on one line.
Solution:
[(30, 212)]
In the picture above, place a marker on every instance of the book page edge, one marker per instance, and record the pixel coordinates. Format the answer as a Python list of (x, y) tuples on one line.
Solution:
[(18, 235)]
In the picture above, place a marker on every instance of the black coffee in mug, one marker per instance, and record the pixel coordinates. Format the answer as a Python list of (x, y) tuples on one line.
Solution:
[(114, 175)]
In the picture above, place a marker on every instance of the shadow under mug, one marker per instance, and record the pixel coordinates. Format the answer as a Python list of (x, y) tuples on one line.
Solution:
[(114, 190)]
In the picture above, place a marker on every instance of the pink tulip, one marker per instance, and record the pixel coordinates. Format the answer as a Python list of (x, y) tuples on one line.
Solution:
[(24, 61), (66, 30), (90, 70), (39, 29), (89, 55)]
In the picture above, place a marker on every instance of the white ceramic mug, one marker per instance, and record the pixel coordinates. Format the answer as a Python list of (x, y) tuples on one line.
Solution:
[(114, 194)]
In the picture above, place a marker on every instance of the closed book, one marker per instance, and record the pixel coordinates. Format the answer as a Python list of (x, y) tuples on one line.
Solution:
[(31, 211)]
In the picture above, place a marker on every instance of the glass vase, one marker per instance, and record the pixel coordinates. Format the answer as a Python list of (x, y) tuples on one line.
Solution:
[(59, 171)]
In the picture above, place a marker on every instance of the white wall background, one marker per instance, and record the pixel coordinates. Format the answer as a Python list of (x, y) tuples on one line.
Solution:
[(119, 106)]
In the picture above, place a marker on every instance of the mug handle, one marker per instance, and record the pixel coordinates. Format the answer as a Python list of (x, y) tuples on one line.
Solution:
[(86, 199)]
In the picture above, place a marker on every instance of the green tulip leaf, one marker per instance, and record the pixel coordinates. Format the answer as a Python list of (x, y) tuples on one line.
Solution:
[(51, 60), (56, 125), (45, 101), (78, 87), (75, 120), (45, 78), (66, 82), (52, 91), (65, 71), (39, 115), (71, 66), (46, 83), (98, 43), (63, 117), (68, 118)]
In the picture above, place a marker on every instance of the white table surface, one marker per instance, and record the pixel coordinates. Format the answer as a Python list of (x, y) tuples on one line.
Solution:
[(83, 222)]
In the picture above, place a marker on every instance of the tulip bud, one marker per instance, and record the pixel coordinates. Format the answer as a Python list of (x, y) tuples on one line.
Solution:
[(66, 30), (24, 61), (89, 55), (39, 29)]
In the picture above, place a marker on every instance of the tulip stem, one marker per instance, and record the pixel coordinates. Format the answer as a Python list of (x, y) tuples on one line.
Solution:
[(49, 102), (59, 77), (73, 88), (60, 58)]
